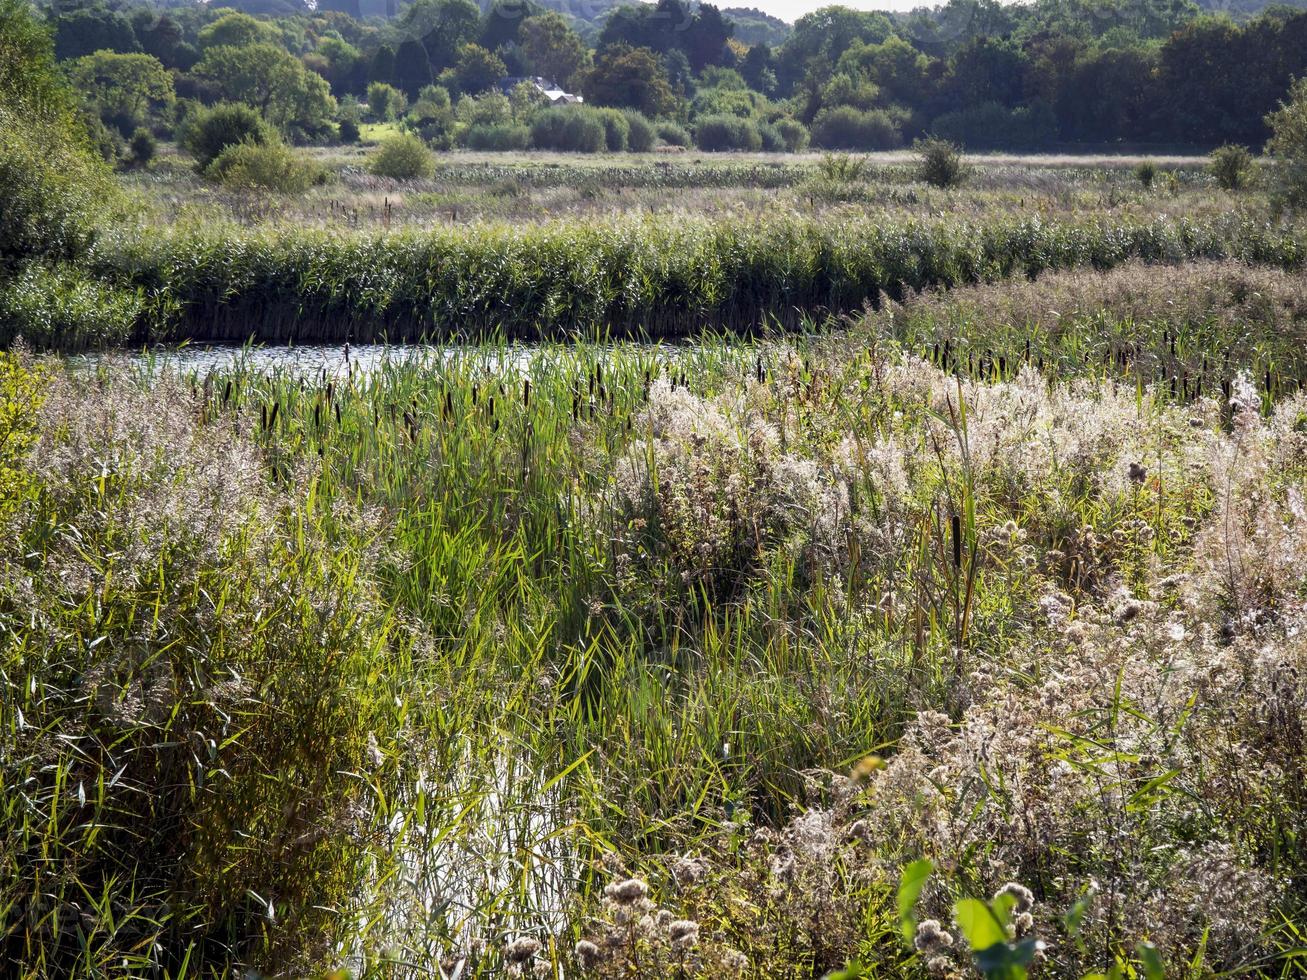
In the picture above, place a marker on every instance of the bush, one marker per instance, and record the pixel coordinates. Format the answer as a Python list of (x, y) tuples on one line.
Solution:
[(616, 129), (717, 133), (403, 157), (793, 134), (1230, 165), (939, 162), (210, 131), (51, 189), (263, 166), (1288, 149), (572, 129), (771, 138), (847, 128), (1145, 172), (349, 131), (640, 137), (992, 125), (143, 146), (673, 134), (62, 308), (385, 102), (504, 136)]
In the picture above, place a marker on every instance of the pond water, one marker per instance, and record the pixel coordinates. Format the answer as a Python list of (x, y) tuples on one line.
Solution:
[(314, 359)]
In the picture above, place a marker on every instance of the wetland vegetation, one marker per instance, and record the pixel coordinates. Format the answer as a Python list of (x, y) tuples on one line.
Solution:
[(764, 566)]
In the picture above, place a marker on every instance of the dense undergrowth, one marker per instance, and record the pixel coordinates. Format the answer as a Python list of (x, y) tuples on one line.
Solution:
[(651, 661), (657, 277)]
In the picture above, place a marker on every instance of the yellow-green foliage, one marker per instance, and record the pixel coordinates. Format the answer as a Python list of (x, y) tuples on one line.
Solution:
[(403, 157), (263, 167), (20, 394)]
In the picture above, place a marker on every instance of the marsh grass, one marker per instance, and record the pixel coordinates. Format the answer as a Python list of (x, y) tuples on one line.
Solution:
[(654, 277), (403, 667)]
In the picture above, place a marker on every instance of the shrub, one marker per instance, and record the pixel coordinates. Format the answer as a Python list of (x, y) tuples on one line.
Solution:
[(717, 133), (992, 125), (1288, 149), (793, 134), (573, 129), (403, 157), (1230, 165), (208, 132), (263, 166), (51, 189), (143, 146), (349, 131), (640, 137), (1145, 172), (673, 134), (771, 138), (616, 129), (847, 128), (939, 162), (61, 308), (504, 136), (105, 140), (385, 102)]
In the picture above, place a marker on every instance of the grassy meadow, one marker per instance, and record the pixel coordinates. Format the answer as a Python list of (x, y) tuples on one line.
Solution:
[(767, 570)]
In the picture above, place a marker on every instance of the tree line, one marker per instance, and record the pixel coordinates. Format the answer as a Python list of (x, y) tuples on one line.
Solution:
[(979, 73)]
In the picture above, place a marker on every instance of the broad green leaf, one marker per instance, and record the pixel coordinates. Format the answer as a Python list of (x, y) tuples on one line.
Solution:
[(911, 882), (978, 924)]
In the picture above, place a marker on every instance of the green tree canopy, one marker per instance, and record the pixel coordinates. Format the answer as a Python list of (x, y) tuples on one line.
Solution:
[(272, 81), (553, 50), (125, 85), (630, 78)]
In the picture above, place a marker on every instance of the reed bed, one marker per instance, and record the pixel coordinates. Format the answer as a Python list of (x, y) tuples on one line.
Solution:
[(655, 278), (630, 660)]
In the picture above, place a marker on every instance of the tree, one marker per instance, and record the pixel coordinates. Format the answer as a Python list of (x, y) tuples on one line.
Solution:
[(236, 30), (630, 78), (272, 81), (987, 70), (553, 50), (705, 37), (123, 86), (342, 64), (160, 36), (412, 68), (1287, 148), (476, 70), (210, 131), (92, 28), (502, 26), (382, 66), (821, 37), (443, 26)]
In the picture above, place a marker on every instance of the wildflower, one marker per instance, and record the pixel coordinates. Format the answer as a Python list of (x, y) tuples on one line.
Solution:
[(735, 961), (939, 965), (1137, 473), (626, 892), (589, 954), (521, 949), (1127, 611), (688, 871), (684, 931), (932, 936)]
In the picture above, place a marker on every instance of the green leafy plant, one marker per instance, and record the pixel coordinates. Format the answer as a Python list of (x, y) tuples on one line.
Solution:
[(1230, 165)]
